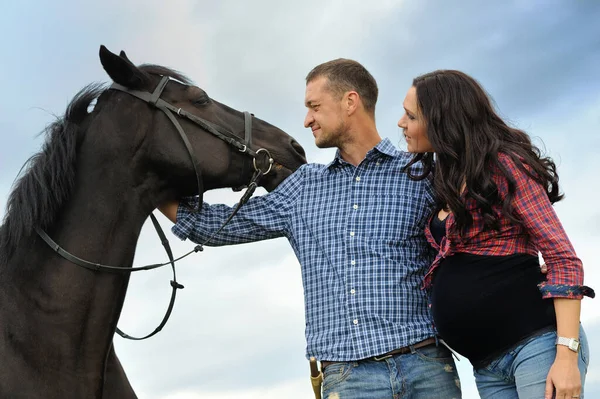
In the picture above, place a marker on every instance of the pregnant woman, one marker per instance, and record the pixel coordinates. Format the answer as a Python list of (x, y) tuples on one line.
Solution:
[(519, 328)]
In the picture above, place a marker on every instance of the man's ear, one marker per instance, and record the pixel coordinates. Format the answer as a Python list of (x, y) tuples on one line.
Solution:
[(352, 101), (121, 70)]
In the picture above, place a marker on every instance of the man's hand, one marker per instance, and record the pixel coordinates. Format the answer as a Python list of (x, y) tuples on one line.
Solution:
[(169, 209)]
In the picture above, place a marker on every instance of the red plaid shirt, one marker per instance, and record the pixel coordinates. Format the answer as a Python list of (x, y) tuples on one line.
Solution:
[(541, 231)]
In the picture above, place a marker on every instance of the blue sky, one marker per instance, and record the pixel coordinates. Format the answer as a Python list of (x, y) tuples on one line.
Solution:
[(237, 329)]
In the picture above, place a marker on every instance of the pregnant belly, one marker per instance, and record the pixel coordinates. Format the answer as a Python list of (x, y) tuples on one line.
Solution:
[(482, 304)]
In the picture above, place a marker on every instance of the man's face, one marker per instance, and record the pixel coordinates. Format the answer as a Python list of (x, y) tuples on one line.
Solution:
[(324, 116)]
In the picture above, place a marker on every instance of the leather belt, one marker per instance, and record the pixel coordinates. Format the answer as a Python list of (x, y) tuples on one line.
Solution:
[(400, 351)]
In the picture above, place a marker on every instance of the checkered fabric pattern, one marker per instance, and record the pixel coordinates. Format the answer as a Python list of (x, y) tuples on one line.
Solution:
[(541, 231), (358, 233)]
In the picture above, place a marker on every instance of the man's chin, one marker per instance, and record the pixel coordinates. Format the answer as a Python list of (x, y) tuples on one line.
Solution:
[(324, 144)]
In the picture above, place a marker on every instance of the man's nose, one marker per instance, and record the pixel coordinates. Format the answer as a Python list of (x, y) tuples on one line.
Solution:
[(308, 120)]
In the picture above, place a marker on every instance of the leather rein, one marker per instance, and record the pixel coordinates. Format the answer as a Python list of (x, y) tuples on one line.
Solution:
[(170, 111)]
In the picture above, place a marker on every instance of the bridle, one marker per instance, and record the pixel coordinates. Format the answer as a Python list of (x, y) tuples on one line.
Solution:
[(230, 138)]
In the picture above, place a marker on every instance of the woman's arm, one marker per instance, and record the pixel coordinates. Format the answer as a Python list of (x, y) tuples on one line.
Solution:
[(564, 279), (564, 374), (532, 206)]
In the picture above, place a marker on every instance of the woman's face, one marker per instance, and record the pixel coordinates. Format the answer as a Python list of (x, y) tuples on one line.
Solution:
[(414, 125)]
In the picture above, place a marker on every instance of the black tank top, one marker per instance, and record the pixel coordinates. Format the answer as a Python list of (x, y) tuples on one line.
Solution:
[(483, 305), (438, 228)]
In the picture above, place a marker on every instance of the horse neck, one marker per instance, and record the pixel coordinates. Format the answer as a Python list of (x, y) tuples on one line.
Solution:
[(67, 310)]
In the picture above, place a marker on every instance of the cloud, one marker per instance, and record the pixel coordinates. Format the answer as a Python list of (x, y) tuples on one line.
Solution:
[(237, 328), (529, 55)]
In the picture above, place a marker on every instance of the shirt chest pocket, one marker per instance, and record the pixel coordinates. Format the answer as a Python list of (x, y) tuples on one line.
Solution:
[(395, 218)]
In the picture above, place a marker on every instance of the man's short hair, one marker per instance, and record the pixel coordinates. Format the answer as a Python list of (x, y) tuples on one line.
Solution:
[(345, 75)]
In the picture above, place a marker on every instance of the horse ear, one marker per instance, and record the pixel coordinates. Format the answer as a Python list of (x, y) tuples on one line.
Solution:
[(121, 70), (123, 55)]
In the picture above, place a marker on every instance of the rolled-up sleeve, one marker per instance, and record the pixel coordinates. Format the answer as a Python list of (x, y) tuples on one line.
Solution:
[(261, 218), (532, 206)]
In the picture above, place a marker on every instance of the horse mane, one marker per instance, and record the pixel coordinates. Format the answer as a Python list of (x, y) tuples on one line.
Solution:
[(46, 180)]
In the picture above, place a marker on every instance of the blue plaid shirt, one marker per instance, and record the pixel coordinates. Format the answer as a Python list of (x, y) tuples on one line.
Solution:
[(358, 233)]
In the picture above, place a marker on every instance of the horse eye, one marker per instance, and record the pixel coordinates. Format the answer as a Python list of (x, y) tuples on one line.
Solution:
[(204, 99)]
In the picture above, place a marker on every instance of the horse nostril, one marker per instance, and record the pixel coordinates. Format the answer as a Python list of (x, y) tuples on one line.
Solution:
[(296, 146)]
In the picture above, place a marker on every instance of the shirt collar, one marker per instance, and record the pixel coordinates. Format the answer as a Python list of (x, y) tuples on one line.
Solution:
[(384, 147)]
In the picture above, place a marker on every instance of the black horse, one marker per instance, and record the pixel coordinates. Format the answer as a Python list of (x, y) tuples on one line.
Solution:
[(99, 175)]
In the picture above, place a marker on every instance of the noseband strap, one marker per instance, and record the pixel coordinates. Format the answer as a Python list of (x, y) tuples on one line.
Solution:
[(248, 128)]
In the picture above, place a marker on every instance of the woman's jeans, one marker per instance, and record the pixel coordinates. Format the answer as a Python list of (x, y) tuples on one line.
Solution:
[(521, 372)]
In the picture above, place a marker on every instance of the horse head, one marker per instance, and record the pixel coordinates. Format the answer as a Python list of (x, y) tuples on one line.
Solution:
[(230, 145)]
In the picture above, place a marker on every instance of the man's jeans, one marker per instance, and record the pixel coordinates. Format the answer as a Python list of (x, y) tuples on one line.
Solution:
[(522, 372), (425, 373)]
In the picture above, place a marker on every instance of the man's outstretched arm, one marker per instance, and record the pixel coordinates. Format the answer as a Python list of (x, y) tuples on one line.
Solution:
[(169, 209), (261, 218)]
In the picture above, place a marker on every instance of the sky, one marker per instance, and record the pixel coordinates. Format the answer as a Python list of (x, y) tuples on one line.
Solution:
[(237, 330)]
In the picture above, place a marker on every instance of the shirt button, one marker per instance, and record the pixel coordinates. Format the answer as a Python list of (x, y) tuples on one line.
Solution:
[(377, 163), (355, 321), (357, 178), (353, 262), (355, 206), (353, 291), (351, 234)]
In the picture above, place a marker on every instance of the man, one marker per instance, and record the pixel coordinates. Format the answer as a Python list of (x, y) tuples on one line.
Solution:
[(356, 226)]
